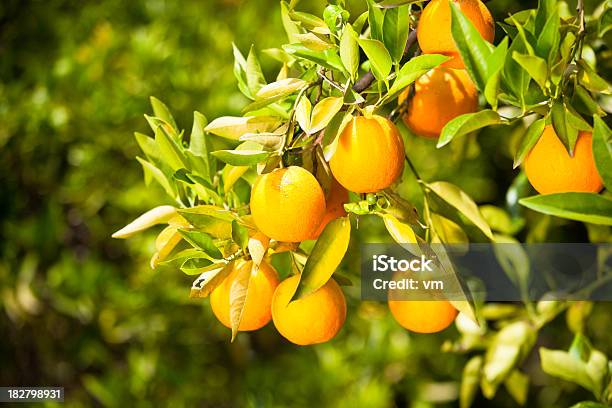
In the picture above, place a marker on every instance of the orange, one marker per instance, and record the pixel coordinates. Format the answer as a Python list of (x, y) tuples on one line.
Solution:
[(256, 312), (423, 316), (369, 155), (550, 168), (440, 96), (313, 319), (287, 204), (434, 29), (334, 206)]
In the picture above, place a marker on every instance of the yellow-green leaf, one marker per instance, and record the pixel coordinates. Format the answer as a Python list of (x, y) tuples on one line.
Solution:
[(325, 256), (157, 215)]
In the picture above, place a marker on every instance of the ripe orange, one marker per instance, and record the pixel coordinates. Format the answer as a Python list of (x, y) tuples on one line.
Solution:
[(256, 312), (313, 319), (434, 29), (287, 204), (334, 206), (550, 169), (423, 316), (440, 96), (369, 156)]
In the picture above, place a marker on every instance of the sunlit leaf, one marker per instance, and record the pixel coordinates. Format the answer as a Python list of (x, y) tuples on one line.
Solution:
[(323, 113), (396, 26), (468, 123), (238, 294), (379, 57), (210, 279), (232, 127), (325, 256), (161, 111), (155, 216), (349, 50)]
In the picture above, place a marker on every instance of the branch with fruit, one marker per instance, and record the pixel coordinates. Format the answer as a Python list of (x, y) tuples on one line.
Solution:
[(318, 148)]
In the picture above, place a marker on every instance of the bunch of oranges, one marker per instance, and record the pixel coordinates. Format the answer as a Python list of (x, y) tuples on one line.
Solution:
[(446, 91), (289, 205)]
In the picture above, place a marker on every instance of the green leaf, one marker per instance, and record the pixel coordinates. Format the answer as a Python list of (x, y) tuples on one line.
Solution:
[(585, 207), (302, 113), (254, 76), (411, 71), (161, 111), (468, 123), (589, 404), (514, 261), (396, 26), (199, 147), (313, 42), (400, 232), (495, 64), (566, 133), (240, 235), (291, 28), (282, 88), (241, 157), (151, 171), (517, 385), (591, 80), (147, 145), (240, 72), (547, 45), (602, 151), (310, 21), (375, 20), (562, 365), (323, 113), (232, 127), (473, 48), (155, 216), (327, 59), (532, 135), (325, 257), (379, 57), (535, 66), (211, 219), (349, 51), (508, 348), (170, 152), (333, 131), (459, 200), (469, 381), (201, 240)]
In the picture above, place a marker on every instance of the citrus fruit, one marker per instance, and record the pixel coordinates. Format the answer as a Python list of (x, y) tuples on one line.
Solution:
[(423, 316), (439, 96), (287, 204), (316, 318), (369, 155), (256, 312), (334, 206), (434, 29), (550, 168)]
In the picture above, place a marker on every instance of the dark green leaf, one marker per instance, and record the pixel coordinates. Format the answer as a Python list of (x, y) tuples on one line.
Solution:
[(396, 26), (585, 207), (602, 151), (375, 20), (473, 48), (532, 135)]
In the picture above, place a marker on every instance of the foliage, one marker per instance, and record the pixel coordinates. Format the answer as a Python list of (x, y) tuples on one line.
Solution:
[(61, 259)]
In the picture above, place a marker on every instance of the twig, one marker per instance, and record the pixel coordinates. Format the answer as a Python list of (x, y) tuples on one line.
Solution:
[(365, 81), (332, 83)]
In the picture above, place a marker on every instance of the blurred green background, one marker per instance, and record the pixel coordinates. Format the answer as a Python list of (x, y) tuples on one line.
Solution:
[(85, 312)]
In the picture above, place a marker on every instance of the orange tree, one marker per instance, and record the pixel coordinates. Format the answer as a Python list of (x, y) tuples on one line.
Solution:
[(272, 187)]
